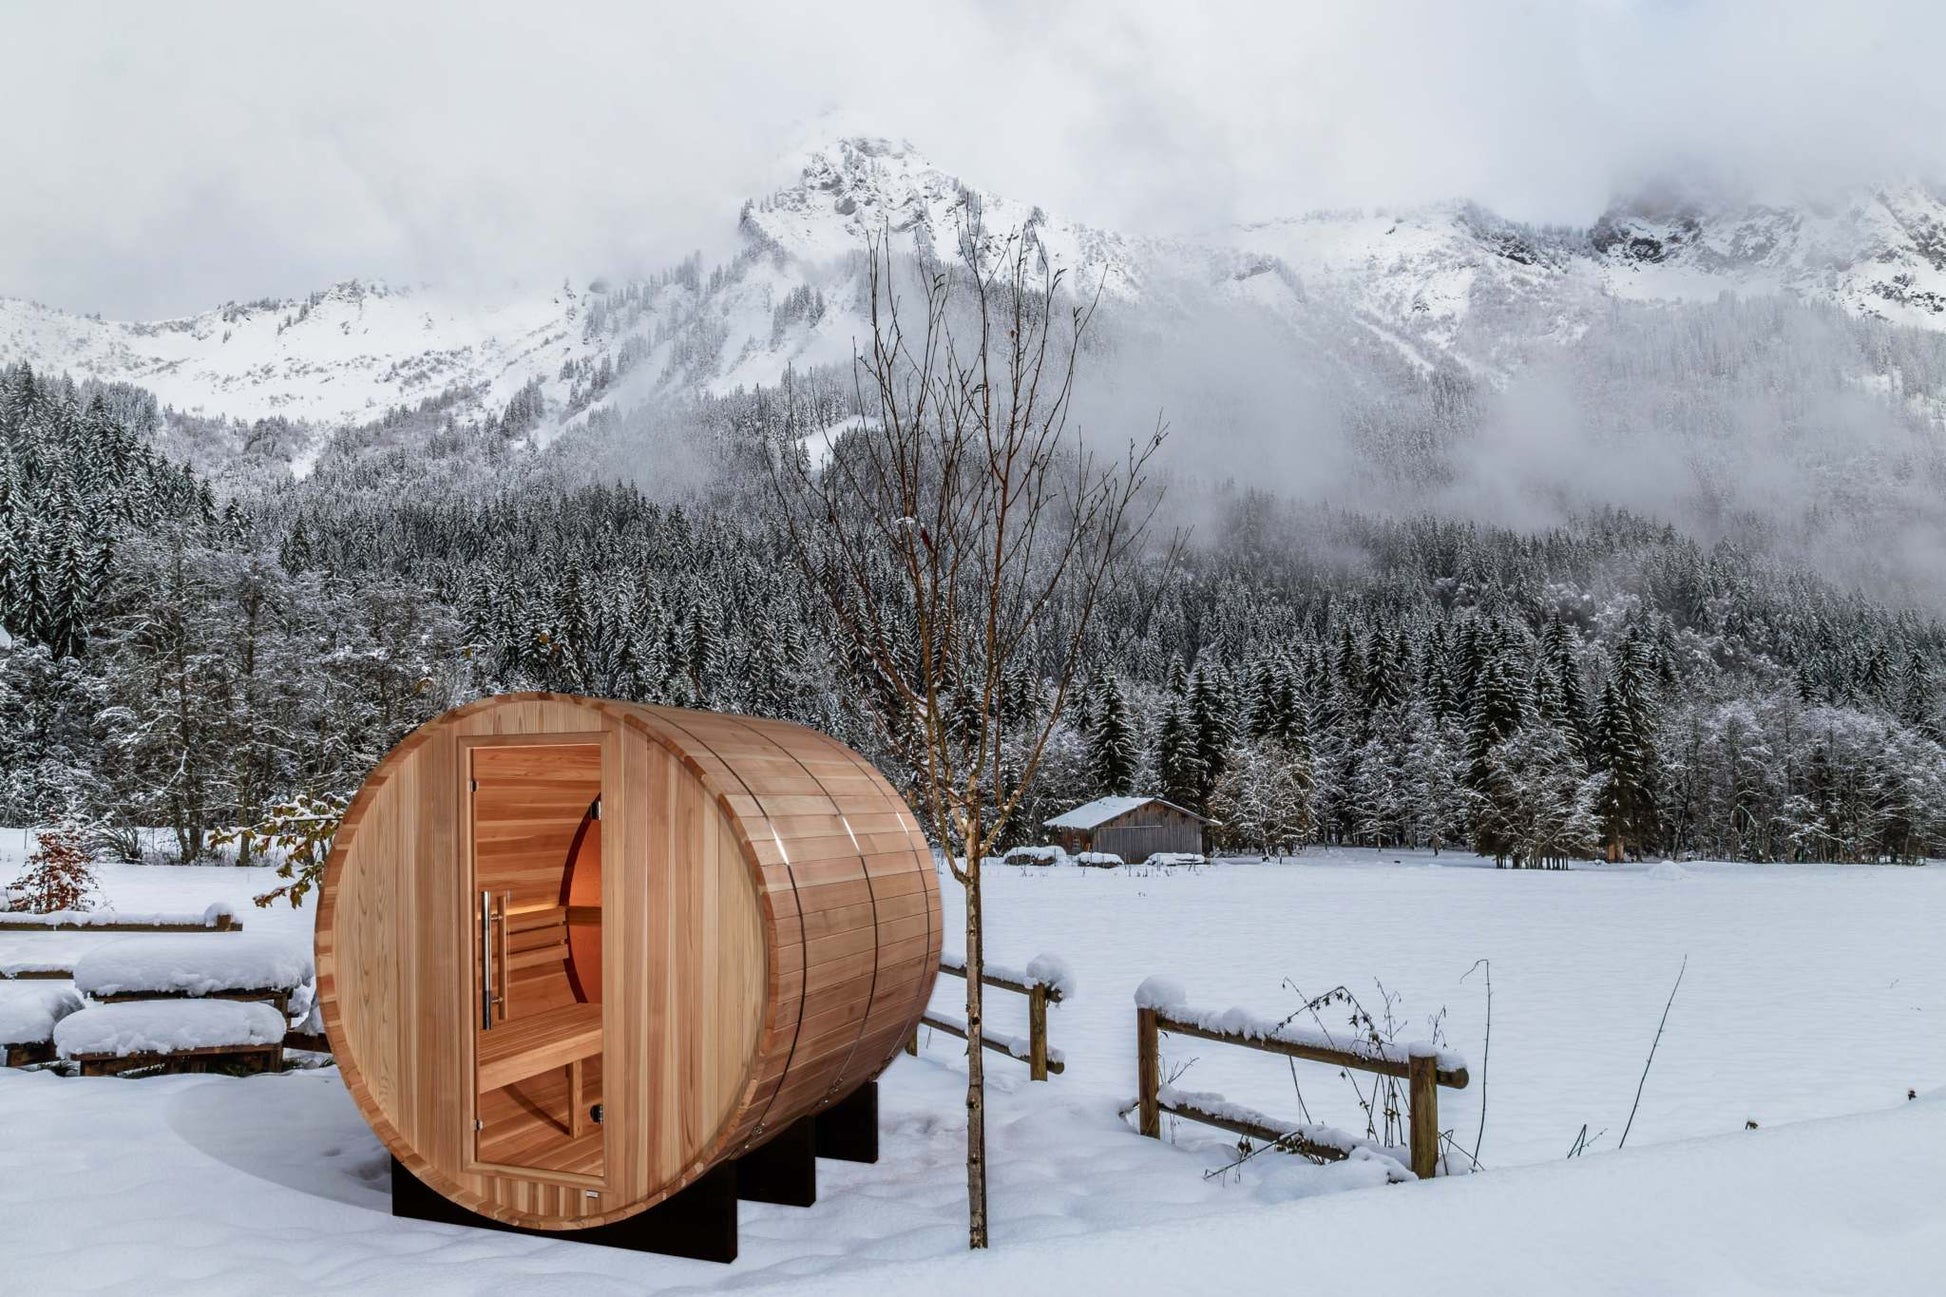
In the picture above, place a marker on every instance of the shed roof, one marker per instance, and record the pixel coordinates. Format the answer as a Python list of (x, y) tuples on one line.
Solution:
[(1092, 815)]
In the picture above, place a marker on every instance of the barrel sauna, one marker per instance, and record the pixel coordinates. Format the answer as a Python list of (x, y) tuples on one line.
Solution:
[(572, 953)]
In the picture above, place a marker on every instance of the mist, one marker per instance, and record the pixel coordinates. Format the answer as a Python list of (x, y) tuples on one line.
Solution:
[(164, 159)]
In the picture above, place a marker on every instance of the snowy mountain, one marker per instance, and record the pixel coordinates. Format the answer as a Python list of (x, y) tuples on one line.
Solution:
[(1430, 288)]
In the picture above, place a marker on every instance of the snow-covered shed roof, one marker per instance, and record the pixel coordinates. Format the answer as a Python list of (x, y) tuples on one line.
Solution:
[(1093, 815)]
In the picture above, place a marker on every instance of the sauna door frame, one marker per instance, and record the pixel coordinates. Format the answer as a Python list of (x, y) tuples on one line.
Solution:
[(467, 914)]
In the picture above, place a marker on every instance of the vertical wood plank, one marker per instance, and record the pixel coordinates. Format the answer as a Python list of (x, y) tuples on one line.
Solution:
[(1422, 1080), (1037, 1032), (1148, 1074)]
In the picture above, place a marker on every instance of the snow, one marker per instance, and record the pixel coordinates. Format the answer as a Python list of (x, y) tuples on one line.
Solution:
[(817, 445), (1042, 970), (16, 966), (1019, 1047), (107, 918), (1166, 995), (1093, 814), (193, 965), (1667, 871), (1581, 964), (155, 1026), (1097, 859), (1810, 1006), (1352, 1146), (1052, 972), (28, 1011), (1161, 993), (1172, 858)]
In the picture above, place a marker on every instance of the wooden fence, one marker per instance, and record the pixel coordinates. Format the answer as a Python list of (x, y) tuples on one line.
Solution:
[(1420, 1070), (107, 922), (1033, 1051)]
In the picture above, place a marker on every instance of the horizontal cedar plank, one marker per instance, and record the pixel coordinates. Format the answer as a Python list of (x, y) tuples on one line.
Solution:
[(794, 803), (909, 882), (818, 851), (826, 947), (840, 967), (837, 894), (877, 820), (907, 926), (745, 808), (828, 824), (887, 843), (901, 904), (815, 873), (830, 920)]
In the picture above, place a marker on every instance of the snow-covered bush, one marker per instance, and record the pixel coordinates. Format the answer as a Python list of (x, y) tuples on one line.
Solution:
[(1034, 856), (1098, 859)]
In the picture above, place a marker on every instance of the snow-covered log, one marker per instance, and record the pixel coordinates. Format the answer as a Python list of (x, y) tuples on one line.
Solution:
[(182, 965), (167, 1027)]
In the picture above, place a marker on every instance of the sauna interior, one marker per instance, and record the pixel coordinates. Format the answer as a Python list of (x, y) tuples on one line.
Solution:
[(535, 836)]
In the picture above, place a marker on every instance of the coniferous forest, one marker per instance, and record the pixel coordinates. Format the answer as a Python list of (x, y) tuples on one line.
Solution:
[(189, 651)]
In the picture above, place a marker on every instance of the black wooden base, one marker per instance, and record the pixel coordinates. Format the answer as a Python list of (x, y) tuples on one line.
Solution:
[(783, 1171), (847, 1131), (701, 1221)]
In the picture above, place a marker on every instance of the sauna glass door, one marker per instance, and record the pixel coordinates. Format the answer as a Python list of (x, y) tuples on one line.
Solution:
[(536, 983)]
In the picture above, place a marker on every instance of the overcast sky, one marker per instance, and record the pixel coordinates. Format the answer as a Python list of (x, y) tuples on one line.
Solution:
[(159, 159)]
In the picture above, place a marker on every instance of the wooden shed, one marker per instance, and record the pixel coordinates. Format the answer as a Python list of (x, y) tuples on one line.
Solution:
[(1133, 828), (572, 954)]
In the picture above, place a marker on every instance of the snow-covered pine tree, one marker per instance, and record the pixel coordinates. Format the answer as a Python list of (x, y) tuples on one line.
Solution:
[(1111, 743)]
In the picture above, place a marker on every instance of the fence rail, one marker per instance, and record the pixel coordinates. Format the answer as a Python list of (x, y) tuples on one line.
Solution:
[(108, 922), (1420, 1068), (1040, 992)]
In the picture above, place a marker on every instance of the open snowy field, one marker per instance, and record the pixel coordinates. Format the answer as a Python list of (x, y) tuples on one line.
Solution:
[(1811, 992)]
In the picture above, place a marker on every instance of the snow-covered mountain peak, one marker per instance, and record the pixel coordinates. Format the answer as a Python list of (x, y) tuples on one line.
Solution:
[(1879, 251), (1447, 285)]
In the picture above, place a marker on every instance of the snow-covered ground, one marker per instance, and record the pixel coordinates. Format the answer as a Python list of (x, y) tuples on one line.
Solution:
[(1811, 992)]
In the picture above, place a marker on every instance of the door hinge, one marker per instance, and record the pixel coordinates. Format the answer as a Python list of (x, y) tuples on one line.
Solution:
[(595, 810), (472, 785), (478, 1124)]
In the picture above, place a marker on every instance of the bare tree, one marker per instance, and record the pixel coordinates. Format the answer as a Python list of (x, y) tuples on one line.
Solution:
[(963, 539)]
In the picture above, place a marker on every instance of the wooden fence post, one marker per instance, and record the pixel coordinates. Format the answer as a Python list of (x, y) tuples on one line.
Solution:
[(1037, 1032), (1148, 1074), (1422, 1078)]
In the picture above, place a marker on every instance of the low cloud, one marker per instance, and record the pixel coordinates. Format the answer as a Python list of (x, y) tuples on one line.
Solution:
[(162, 158)]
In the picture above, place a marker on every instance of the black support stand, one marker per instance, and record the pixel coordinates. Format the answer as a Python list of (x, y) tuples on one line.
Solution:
[(701, 1221), (848, 1129), (783, 1171)]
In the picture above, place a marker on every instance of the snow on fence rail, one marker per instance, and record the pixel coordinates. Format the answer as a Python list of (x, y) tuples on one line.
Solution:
[(30, 970), (1160, 1006), (217, 918), (1046, 981)]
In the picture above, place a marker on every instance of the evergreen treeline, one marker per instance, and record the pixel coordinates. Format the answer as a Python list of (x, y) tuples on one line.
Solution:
[(1611, 687)]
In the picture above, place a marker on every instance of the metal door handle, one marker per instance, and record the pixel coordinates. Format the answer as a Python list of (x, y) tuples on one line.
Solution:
[(487, 997)]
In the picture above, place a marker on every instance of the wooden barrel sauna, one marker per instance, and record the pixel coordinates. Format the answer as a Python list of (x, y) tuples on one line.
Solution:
[(572, 954)]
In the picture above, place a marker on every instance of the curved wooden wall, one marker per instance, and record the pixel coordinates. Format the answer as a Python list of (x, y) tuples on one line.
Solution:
[(769, 937)]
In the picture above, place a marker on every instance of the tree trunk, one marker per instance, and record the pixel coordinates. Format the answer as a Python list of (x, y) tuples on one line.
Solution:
[(976, 1113)]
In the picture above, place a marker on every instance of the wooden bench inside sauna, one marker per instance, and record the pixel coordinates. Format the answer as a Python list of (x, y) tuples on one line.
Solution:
[(573, 954)]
